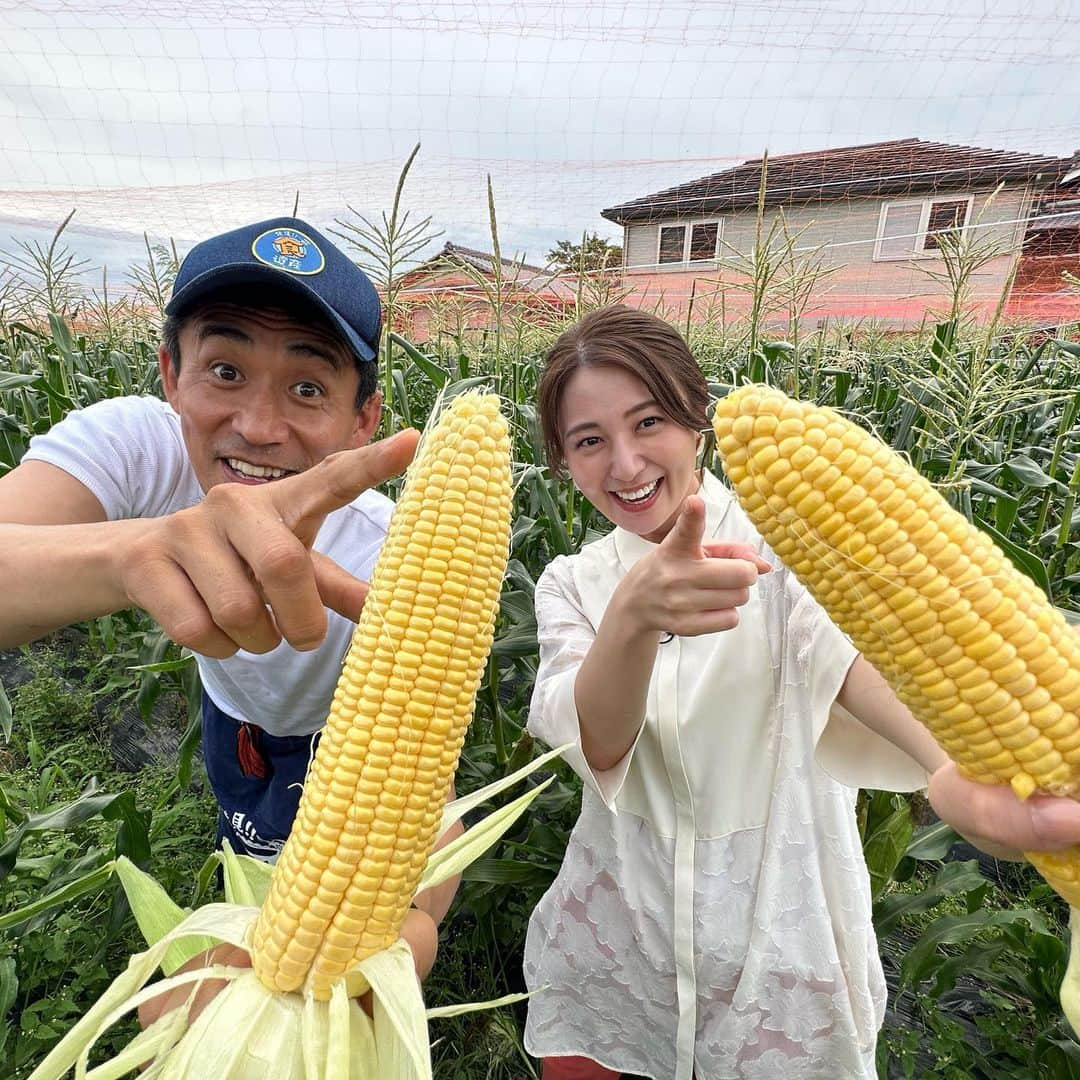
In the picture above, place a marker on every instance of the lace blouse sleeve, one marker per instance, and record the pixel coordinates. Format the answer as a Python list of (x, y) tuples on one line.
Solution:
[(565, 635)]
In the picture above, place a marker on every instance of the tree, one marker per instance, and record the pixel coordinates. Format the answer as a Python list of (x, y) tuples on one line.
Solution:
[(592, 254)]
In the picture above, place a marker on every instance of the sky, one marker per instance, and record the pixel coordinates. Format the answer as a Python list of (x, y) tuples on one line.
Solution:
[(212, 114)]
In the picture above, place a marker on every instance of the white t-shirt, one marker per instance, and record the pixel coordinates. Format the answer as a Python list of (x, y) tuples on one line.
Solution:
[(129, 452), (713, 908)]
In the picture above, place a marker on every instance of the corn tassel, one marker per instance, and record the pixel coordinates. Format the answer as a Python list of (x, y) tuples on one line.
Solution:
[(383, 768), (970, 644)]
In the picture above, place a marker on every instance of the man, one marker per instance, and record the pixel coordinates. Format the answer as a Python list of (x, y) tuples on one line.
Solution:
[(236, 513)]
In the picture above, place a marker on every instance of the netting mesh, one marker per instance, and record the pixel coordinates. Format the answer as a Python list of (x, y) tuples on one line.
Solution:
[(179, 123)]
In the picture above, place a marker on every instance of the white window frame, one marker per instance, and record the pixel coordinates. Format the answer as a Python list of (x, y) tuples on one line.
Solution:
[(919, 238), (687, 225)]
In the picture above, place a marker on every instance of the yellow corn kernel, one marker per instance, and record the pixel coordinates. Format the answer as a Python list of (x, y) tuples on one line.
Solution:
[(384, 765)]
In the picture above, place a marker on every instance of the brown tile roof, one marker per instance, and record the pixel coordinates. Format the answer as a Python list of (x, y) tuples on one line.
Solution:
[(483, 261), (516, 273), (887, 168)]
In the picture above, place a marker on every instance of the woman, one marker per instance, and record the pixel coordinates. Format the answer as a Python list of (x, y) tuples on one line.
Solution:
[(712, 916)]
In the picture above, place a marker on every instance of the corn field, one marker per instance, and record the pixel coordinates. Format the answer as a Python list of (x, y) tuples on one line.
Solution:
[(973, 951)]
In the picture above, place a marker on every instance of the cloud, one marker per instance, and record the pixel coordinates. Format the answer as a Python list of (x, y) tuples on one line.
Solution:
[(183, 121)]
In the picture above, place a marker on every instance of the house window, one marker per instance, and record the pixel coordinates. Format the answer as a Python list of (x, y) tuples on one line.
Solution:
[(703, 238), (672, 243), (944, 216), (909, 230), (695, 242)]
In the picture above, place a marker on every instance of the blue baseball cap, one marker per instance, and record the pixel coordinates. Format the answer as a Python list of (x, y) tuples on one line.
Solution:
[(293, 255)]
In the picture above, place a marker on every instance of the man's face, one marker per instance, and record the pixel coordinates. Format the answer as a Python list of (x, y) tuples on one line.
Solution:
[(262, 395)]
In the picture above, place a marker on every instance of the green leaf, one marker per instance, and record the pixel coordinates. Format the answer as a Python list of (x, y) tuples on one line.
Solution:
[(457, 809), (9, 991), (467, 848), (401, 396), (91, 882), (435, 374), (506, 872), (1060, 1058), (89, 804), (885, 847), (921, 959), (1005, 510), (133, 835), (518, 642), (952, 878), (556, 530), (932, 841), (154, 910), (1025, 561), (61, 335), (11, 380), (1070, 347), (1028, 472), (166, 665), (5, 714), (518, 574), (978, 960), (247, 880), (190, 741)]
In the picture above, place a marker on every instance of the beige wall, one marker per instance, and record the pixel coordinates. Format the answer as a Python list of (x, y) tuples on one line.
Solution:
[(895, 290), (849, 229)]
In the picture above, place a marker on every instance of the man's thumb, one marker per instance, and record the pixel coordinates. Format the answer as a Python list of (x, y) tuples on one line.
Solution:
[(689, 528), (306, 499)]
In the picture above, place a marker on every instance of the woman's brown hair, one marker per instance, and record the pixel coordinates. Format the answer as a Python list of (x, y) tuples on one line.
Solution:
[(637, 342)]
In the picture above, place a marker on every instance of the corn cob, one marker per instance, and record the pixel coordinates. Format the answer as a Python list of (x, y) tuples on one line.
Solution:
[(376, 788), (971, 645)]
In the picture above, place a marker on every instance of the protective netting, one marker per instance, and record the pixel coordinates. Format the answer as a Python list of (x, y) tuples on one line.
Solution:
[(179, 122)]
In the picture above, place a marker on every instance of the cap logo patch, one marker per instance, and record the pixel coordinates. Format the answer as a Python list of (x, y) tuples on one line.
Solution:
[(289, 250)]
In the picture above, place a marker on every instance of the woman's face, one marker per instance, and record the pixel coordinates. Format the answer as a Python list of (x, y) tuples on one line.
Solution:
[(626, 456)]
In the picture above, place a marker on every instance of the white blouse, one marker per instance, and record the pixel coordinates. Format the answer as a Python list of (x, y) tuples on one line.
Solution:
[(712, 913)]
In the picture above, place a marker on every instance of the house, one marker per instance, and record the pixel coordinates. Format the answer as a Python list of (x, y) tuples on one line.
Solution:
[(455, 291), (869, 217), (1051, 249)]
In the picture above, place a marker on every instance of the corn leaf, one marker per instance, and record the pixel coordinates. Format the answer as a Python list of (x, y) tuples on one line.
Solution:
[(156, 1040), (247, 880), (219, 921), (475, 1006), (157, 914), (455, 856), (400, 1022), (5, 714), (90, 882), (339, 1033), (456, 810)]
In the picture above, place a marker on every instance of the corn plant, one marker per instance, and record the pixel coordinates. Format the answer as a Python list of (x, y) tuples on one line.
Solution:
[(45, 278), (385, 247)]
